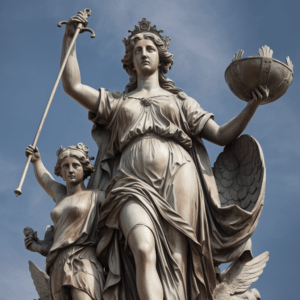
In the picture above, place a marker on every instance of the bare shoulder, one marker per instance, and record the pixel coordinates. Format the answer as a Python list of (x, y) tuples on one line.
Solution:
[(59, 192)]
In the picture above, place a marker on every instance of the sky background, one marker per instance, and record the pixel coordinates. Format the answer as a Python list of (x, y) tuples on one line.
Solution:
[(205, 35)]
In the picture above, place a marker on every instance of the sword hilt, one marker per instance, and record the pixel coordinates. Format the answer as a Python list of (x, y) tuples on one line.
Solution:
[(86, 14)]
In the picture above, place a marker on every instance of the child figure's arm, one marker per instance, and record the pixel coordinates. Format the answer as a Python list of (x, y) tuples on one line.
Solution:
[(34, 244), (44, 178)]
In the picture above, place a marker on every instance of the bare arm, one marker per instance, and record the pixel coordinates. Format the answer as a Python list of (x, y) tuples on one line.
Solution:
[(83, 94), (33, 246), (44, 178), (225, 134)]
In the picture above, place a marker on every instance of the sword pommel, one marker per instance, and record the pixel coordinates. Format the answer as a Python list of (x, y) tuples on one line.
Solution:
[(82, 26)]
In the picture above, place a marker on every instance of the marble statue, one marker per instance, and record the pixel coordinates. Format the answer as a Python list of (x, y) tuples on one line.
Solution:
[(70, 246), (168, 219)]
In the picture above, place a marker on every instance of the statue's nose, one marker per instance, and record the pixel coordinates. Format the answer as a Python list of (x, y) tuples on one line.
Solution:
[(144, 53)]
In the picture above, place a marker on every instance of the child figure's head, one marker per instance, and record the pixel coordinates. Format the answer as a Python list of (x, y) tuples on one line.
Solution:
[(71, 157)]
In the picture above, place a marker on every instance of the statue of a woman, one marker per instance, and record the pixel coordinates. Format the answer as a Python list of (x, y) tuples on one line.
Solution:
[(162, 226), (75, 272)]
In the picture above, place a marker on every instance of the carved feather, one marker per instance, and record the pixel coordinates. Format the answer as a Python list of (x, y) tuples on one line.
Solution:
[(238, 277), (240, 173), (289, 63), (41, 282), (265, 51), (238, 55)]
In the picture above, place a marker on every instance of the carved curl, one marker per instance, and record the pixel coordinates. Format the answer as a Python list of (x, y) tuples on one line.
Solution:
[(165, 58), (85, 162)]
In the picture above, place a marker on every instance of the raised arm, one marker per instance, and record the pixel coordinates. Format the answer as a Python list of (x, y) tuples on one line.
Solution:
[(44, 178), (83, 94), (225, 134)]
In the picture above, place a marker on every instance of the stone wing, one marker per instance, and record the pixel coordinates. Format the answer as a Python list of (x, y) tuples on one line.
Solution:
[(41, 281), (240, 173), (239, 276)]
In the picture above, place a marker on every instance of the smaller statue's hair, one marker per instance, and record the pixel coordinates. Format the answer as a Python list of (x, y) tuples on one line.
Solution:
[(88, 168), (165, 58)]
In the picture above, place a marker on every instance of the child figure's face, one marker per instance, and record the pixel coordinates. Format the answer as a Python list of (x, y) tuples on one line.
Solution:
[(72, 171)]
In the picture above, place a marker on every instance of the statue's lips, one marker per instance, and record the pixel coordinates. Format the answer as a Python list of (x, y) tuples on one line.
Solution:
[(145, 62)]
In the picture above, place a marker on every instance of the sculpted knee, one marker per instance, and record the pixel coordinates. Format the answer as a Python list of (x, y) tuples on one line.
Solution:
[(145, 252)]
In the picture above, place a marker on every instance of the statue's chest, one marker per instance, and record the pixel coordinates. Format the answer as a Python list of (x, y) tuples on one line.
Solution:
[(70, 209), (148, 109)]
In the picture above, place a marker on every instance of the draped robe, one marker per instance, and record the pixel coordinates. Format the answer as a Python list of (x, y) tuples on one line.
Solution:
[(126, 127)]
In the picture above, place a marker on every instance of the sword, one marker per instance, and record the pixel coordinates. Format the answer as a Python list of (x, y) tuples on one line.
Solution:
[(80, 28)]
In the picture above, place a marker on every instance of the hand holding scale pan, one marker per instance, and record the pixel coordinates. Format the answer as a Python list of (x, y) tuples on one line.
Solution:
[(244, 75)]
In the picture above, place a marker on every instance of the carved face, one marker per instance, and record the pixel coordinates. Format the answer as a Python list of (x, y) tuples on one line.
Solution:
[(72, 171), (145, 57)]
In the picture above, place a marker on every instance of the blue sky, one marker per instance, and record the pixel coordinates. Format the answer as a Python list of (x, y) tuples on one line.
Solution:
[(205, 35)]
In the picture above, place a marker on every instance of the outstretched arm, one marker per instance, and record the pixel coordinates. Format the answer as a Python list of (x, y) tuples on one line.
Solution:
[(225, 134), (44, 178), (71, 80)]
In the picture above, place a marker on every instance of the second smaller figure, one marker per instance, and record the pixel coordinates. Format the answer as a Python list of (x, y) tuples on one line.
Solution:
[(74, 270)]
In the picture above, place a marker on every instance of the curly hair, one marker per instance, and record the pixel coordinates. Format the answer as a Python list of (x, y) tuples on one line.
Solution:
[(165, 58), (88, 168)]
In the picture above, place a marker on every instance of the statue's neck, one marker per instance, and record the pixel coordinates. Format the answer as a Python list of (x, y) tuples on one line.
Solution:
[(148, 83), (75, 189)]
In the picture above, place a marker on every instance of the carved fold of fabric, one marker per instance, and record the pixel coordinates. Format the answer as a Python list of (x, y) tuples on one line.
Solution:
[(72, 261), (107, 106), (158, 189), (143, 156), (167, 116), (77, 267), (120, 263), (74, 220), (230, 227)]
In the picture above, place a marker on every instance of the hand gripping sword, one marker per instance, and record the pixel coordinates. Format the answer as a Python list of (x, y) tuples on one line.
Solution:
[(80, 28)]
